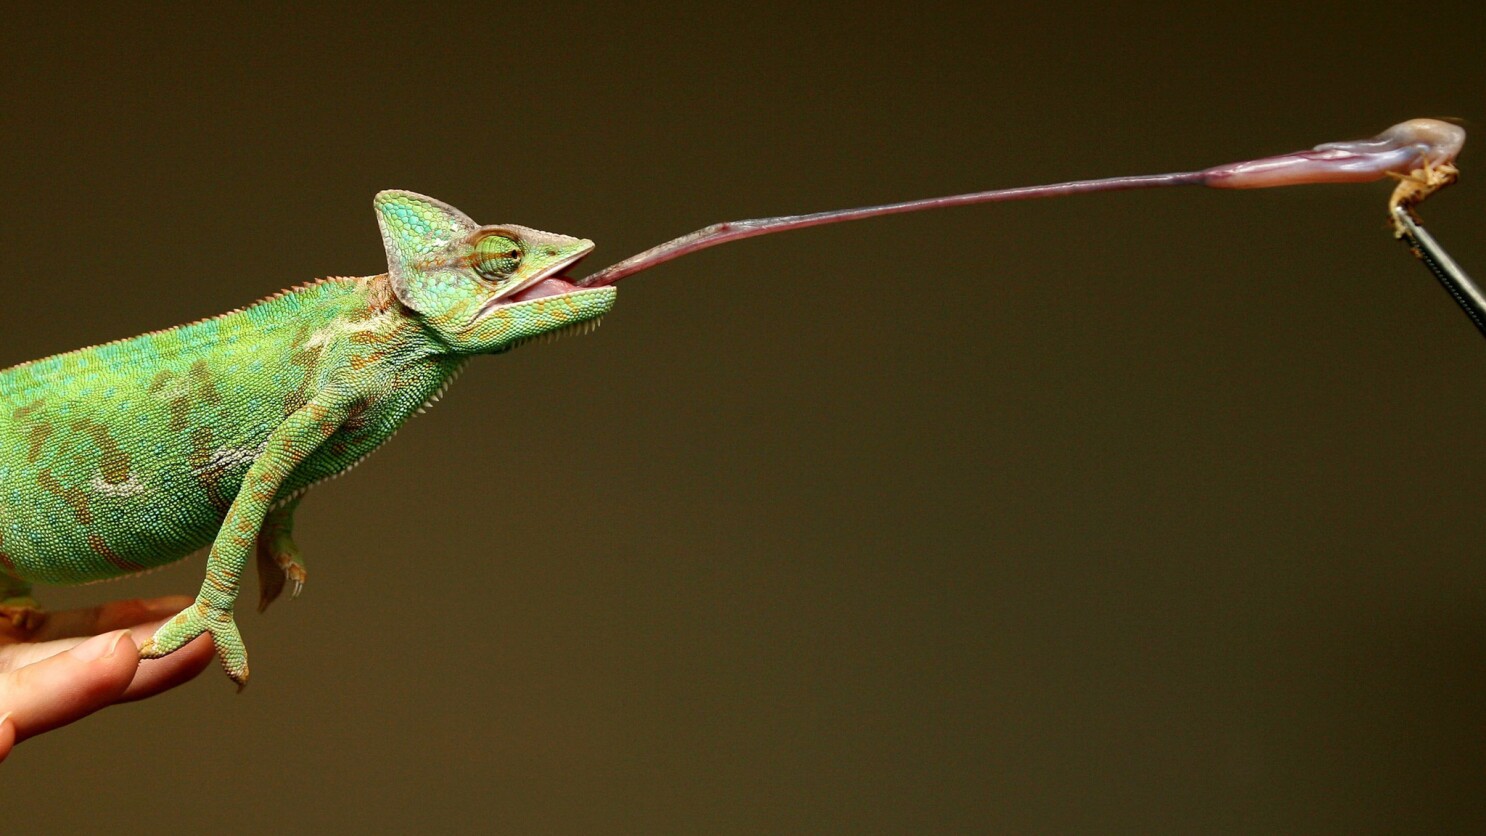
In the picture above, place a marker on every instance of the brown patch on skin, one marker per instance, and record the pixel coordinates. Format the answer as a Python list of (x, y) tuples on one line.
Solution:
[(306, 358), (263, 490), (161, 380), (115, 462), (180, 414), (74, 497), (180, 407), (5, 560), (200, 459), (205, 388), (293, 402), (201, 447), (39, 434), (24, 411), (359, 362), (379, 295), (115, 559), (356, 415), (219, 583)]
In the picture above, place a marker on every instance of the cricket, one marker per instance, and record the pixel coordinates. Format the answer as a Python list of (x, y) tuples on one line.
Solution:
[(129, 455)]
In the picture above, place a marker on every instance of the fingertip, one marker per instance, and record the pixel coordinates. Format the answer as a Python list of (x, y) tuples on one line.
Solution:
[(68, 686), (156, 675), (102, 646)]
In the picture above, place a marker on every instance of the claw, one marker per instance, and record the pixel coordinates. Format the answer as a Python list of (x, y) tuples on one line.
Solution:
[(278, 561), (298, 574)]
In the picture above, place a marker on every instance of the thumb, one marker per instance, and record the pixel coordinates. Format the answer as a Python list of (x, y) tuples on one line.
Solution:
[(59, 689)]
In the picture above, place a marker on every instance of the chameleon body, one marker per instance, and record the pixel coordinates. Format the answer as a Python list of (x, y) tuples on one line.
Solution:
[(122, 457)]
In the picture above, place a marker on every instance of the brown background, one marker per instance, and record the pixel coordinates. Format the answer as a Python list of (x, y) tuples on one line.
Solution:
[(1155, 511)]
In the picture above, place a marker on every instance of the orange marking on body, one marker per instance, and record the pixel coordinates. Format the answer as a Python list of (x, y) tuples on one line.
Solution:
[(117, 560), (160, 381), (205, 388), (39, 435), (180, 407), (359, 362), (24, 411), (379, 295), (115, 462), (209, 478), (306, 358), (74, 497)]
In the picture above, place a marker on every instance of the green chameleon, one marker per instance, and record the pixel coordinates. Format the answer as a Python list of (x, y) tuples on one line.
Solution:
[(126, 456)]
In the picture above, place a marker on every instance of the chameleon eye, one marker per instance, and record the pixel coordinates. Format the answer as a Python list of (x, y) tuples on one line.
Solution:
[(496, 257)]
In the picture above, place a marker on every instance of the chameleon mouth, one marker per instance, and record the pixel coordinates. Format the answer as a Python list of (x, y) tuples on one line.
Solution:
[(553, 281), (550, 286)]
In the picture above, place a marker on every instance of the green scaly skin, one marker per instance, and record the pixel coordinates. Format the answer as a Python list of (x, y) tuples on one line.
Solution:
[(122, 457)]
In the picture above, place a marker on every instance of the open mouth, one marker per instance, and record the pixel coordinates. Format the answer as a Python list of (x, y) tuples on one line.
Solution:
[(550, 286), (554, 281)]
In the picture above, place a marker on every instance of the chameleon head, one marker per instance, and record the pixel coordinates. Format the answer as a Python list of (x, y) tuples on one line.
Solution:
[(483, 289)]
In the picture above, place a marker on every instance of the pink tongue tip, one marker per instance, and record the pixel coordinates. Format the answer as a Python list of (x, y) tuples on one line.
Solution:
[(555, 286)]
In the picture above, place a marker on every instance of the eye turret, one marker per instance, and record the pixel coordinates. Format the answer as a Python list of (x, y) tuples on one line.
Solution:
[(496, 256)]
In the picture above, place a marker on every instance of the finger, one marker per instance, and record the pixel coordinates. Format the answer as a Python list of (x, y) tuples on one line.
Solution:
[(115, 615), (70, 685), (156, 675), (7, 736)]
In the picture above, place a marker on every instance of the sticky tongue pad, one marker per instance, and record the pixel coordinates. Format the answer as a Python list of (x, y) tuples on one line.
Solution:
[(1399, 150)]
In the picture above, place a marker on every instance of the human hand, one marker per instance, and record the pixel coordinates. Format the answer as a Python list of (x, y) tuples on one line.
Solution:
[(53, 675)]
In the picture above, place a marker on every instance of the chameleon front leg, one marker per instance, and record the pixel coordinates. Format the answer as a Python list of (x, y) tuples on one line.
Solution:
[(278, 557), (288, 446)]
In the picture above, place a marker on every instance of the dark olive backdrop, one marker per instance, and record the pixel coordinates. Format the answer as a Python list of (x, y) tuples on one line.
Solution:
[(1156, 511)]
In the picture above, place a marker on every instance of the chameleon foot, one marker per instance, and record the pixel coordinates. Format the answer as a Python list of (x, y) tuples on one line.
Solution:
[(22, 613), (278, 562), (191, 622)]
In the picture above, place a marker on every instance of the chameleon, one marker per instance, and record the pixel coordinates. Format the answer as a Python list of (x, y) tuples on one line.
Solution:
[(129, 455)]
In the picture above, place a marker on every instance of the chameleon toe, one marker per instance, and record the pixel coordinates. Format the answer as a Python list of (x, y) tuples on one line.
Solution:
[(193, 621)]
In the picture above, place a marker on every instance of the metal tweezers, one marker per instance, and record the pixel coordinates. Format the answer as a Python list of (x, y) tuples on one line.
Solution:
[(1460, 287)]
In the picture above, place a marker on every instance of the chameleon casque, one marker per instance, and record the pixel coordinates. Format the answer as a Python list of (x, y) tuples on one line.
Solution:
[(126, 456)]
